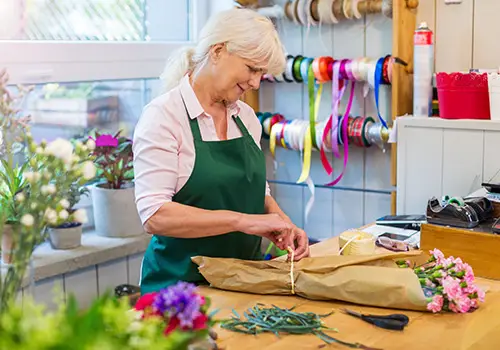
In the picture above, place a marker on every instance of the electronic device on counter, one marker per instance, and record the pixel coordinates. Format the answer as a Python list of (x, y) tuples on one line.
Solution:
[(412, 240), (407, 222)]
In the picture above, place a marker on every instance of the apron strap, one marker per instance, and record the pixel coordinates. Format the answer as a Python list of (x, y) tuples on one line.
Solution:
[(241, 126), (193, 123)]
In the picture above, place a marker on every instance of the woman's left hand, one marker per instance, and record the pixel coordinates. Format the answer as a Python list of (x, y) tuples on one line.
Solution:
[(297, 240)]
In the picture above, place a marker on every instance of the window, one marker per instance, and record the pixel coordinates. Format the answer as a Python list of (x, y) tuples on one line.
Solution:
[(46, 41), (73, 109)]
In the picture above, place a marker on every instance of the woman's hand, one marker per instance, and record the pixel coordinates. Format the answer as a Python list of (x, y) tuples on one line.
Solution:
[(297, 240), (271, 226)]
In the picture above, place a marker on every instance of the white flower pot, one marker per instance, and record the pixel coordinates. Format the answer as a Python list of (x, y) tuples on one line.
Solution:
[(65, 238), (7, 244), (115, 213)]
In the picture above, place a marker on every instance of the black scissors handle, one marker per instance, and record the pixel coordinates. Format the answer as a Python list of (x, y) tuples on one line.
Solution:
[(395, 322)]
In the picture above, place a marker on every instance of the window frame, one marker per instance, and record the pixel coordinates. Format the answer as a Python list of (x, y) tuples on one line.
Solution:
[(41, 62)]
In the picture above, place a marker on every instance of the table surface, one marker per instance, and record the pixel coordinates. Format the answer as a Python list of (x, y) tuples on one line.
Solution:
[(476, 330)]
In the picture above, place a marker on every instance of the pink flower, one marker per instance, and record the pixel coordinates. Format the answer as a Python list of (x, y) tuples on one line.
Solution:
[(480, 294), (436, 304), (474, 304), (463, 303), (451, 287), (106, 140), (437, 254)]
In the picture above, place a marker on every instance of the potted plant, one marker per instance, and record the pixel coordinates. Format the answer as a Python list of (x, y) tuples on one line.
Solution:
[(113, 198), (33, 193), (68, 235)]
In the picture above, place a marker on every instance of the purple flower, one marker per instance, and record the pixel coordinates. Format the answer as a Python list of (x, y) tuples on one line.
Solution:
[(180, 300), (106, 140)]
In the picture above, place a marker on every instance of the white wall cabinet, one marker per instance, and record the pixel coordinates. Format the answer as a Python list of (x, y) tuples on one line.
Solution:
[(439, 157)]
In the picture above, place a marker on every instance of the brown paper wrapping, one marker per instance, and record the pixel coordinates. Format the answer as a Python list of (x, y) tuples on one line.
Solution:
[(373, 280)]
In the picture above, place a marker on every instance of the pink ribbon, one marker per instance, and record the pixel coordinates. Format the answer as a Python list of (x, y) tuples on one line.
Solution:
[(345, 123)]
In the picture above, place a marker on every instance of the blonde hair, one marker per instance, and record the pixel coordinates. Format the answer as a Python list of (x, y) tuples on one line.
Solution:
[(245, 33)]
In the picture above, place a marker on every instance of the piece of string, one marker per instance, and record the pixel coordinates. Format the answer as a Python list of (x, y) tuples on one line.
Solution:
[(292, 278), (347, 243)]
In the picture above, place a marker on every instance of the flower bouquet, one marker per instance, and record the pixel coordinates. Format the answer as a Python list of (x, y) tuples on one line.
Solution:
[(448, 283), (183, 311), (113, 198)]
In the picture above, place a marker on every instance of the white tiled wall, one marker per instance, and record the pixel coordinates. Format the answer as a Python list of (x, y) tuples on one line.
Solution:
[(334, 210), (86, 284)]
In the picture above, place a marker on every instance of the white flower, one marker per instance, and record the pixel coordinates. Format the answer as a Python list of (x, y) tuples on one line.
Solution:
[(27, 220), (80, 216), (63, 214), (90, 145), (88, 170), (19, 197), (64, 203), (51, 215), (28, 176), (61, 148), (51, 188), (44, 189), (39, 150)]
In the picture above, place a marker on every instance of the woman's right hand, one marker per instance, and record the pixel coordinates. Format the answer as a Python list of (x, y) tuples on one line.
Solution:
[(271, 226)]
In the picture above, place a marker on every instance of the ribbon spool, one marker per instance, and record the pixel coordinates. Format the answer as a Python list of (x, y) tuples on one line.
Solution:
[(338, 9), (356, 242), (325, 12)]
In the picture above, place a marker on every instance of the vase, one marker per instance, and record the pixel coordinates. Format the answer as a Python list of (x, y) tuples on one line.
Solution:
[(69, 237), (115, 213), (7, 242)]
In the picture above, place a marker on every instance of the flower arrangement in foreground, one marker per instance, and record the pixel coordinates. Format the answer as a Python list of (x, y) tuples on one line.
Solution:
[(448, 283), (107, 324), (181, 309), (33, 188)]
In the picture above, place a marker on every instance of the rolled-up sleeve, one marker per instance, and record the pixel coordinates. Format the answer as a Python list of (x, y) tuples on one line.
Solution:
[(155, 149)]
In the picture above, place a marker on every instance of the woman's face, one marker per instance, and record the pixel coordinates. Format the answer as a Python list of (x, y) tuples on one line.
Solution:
[(233, 75)]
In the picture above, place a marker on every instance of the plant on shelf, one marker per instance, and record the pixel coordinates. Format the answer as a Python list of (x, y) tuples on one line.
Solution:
[(66, 233), (114, 159), (113, 198), (107, 324), (33, 184)]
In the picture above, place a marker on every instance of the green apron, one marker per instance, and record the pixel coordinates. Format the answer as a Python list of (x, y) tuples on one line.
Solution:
[(227, 175)]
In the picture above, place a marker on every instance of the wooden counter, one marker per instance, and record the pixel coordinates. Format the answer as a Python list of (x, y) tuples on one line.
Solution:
[(477, 330)]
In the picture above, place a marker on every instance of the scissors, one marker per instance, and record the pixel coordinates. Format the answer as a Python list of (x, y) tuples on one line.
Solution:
[(395, 322)]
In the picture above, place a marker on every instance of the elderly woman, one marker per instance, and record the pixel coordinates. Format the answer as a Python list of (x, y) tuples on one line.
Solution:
[(200, 174)]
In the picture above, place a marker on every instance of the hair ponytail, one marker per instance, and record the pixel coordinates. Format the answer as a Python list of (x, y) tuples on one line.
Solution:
[(178, 64)]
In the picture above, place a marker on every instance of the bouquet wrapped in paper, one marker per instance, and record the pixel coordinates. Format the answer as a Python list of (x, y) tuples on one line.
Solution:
[(374, 280)]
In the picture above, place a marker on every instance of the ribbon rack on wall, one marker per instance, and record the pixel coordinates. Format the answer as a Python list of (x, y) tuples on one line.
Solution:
[(317, 13)]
